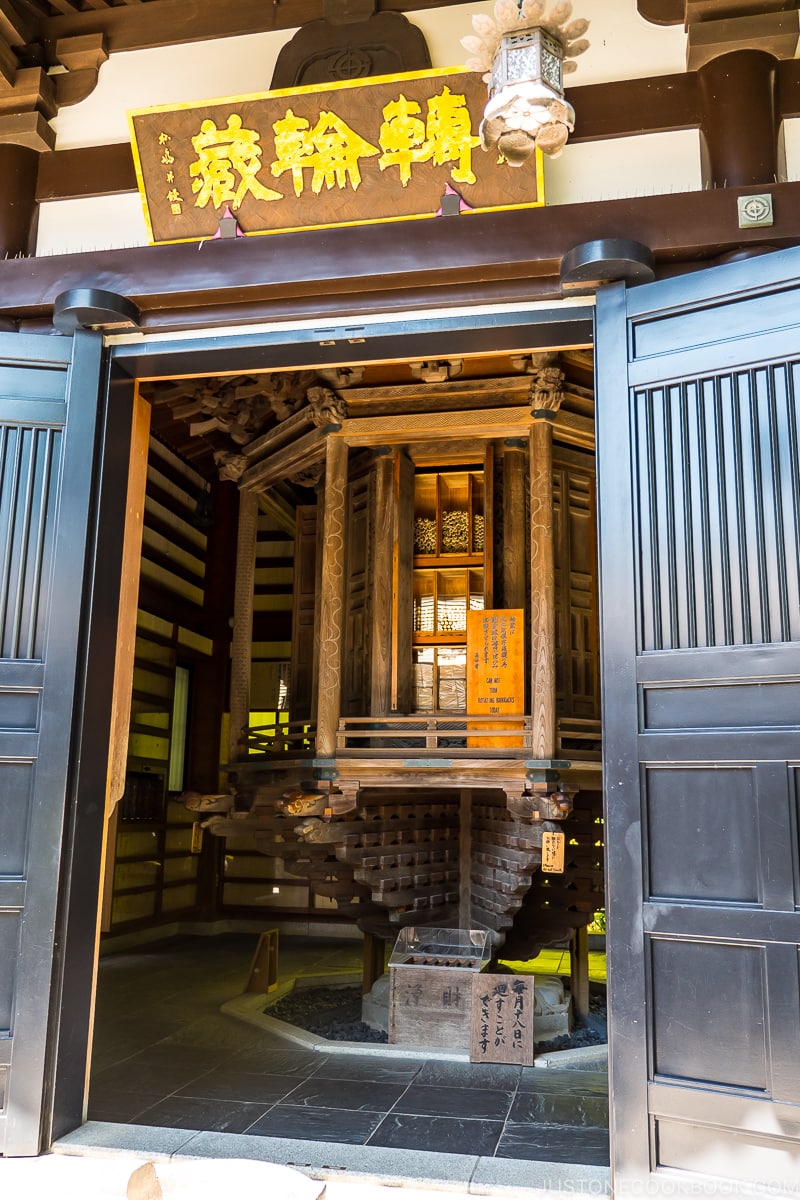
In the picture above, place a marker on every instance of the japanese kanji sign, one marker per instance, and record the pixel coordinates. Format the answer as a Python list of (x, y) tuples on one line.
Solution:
[(553, 844), (357, 152), (502, 1019), (496, 668)]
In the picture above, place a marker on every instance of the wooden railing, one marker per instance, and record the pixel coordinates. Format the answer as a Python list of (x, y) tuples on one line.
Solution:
[(293, 737), (436, 734)]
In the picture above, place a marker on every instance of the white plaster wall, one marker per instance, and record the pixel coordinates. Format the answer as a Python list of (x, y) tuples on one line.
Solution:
[(94, 223), (791, 137), (646, 165), (169, 75), (623, 46)]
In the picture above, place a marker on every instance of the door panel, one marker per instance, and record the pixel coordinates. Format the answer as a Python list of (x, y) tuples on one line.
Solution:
[(699, 486), (48, 427)]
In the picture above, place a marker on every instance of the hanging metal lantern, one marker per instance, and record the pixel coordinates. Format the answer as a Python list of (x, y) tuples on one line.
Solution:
[(523, 55), (528, 56)]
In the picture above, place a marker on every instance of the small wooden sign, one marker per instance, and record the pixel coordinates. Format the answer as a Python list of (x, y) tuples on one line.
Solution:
[(553, 853), (502, 1019), (390, 148), (197, 837), (496, 668)]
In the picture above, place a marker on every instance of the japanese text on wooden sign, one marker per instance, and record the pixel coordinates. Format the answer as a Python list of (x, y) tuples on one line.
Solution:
[(356, 152), (502, 1019), (495, 669), (553, 844)]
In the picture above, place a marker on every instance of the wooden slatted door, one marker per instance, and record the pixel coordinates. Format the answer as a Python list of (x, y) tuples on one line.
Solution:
[(698, 414), (48, 430)]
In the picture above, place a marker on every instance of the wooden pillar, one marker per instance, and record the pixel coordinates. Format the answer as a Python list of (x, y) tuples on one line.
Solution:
[(382, 589), (514, 584), (403, 584), (210, 675), (465, 859), (740, 122), (374, 954), (545, 400), (19, 166), (331, 597), (242, 644), (579, 972)]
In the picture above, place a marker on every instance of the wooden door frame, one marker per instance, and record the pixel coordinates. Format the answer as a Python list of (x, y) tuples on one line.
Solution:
[(409, 337)]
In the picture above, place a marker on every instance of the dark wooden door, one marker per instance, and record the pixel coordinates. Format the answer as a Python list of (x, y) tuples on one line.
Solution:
[(49, 418), (698, 415)]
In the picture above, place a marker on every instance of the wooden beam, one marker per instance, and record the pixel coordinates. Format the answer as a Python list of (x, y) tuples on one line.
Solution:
[(416, 427), (132, 27), (332, 598), (14, 27), (503, 257), (284, 463)]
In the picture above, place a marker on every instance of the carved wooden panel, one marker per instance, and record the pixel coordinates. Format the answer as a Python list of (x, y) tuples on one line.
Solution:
[(577, 654), (356, 661), (322, 52)]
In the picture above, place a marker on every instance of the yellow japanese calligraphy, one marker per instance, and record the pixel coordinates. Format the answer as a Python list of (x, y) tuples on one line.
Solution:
[(402, 137), (446, 136), (332, 148), (221, 155), (449, 129)]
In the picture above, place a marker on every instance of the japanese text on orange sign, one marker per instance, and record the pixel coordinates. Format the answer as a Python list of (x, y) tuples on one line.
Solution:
[(495, 670)]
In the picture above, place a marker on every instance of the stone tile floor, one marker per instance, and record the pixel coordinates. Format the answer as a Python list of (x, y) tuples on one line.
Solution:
[(164, 1056)]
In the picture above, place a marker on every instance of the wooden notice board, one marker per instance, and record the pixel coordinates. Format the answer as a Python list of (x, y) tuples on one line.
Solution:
[(358, 152), (496, 669), (502, 1019)]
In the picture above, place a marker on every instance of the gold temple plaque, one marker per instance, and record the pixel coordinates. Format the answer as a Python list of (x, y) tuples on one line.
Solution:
[(398, 147), (553, 853)]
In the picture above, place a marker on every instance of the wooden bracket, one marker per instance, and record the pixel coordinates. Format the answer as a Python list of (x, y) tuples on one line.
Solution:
[(83, 57)]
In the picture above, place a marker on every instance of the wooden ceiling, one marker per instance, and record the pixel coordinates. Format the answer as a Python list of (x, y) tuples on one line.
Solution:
[(201, 418)]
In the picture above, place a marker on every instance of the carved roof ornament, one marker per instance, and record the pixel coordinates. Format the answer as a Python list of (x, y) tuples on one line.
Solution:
[(231, 465), (327, 408), (523, 55), (342, 377), (309, 476), (547, 385), (437, 371), (353, 41)]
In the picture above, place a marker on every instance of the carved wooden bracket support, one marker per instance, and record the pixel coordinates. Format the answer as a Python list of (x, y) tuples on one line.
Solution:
[(541, 801), (30, 97), (547, 386), (295, 449), (83, 57)]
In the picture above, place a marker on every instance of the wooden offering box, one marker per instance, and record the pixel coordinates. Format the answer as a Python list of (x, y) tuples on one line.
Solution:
[(430, 973)]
